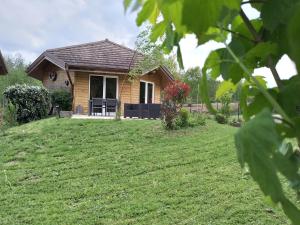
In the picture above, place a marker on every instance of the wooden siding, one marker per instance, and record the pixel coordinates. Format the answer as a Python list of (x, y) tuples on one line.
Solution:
[(128, 91), (59, 83)]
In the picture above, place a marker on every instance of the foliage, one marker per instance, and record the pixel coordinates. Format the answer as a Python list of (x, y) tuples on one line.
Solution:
[(196, 119), (221, 118), (177, 92), (9, 117), (183, 118), (31, 102), (153, 56), (235, 122), (248, 44), (16, 74), (174, 95), (62, 98), (193, 77), (225, 100)]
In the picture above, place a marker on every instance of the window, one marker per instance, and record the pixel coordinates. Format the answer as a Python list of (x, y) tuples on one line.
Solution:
[(146, 92), (103, 86)]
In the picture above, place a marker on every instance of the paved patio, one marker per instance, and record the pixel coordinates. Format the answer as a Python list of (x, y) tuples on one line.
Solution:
[(76, 116)]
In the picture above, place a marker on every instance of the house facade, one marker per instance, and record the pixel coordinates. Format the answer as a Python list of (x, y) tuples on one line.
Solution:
[(98, 70), (3, 69)]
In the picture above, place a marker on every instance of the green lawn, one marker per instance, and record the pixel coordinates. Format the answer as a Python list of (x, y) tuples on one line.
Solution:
[(130, 172)]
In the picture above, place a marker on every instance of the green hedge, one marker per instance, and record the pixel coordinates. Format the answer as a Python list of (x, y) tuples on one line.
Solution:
[(31, 102), (62, 98)]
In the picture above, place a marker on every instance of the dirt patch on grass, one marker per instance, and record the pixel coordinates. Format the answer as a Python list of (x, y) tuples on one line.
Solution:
[(12, 163), (21, 155)]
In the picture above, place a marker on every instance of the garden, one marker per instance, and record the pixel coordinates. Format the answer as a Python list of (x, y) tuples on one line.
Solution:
[(213, 166)]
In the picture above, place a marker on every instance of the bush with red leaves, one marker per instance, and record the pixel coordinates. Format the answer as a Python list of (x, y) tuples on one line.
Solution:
[(174, 95)]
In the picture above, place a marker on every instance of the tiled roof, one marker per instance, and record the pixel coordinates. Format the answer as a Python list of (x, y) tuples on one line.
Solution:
[(97, 55)]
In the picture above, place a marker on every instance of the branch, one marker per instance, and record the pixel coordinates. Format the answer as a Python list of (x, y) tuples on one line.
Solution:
[(258, 39), (235, 33), (256, 36), (253, 1)]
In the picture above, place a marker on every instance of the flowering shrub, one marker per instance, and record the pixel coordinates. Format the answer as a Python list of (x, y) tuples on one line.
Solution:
[(174, 95), (177, 92)]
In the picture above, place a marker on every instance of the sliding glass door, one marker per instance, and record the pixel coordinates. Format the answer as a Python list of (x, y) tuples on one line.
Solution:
[(96, 87), (146, 92), (111, 87), (103, 87)]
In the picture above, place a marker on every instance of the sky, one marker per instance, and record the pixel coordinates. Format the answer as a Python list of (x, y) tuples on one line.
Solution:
[(32, 26)]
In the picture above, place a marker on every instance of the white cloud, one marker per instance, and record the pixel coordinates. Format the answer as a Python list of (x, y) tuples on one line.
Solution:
[(32, 26)]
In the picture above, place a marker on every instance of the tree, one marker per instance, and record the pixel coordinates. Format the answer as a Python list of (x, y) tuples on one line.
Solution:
[(273, 114), (16, 74), (153, 56), (193, 77)]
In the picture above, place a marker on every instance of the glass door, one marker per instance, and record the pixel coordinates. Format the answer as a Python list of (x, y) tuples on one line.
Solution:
[(96, 87), (146, 92), (103, 87), (111, 87)]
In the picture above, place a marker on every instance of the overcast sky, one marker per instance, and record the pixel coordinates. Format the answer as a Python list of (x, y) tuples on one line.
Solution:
[(32, 26)]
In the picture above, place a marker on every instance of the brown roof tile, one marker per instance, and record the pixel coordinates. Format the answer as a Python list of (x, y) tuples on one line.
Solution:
[(102, 54)]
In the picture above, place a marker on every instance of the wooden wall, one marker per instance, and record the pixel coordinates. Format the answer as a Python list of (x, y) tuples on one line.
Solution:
[(129, 91), (59, 83)]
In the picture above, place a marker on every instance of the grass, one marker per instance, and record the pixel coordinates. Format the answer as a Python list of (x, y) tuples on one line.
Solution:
[(130, 172)]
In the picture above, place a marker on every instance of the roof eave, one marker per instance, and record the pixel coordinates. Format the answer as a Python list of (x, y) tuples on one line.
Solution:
[(164, 69), (45, 56), (3, 68), (93, 67)]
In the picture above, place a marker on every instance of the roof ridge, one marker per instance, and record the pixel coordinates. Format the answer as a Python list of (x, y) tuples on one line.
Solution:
[(91, 43), (119, 45), (76, 45)]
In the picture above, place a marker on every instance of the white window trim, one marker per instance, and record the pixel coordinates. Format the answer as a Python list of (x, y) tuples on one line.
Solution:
[(146, 90)]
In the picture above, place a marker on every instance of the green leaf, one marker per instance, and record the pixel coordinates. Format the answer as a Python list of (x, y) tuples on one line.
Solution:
[(158, 30), (169, 40), (146, 12), (289, 96), (213, 33), (126, 4), (210, 12), (212, 64), (276, 12), (204, 93), (172, 12), (293, 37), (259, 103), (256, 141), (224, 88), (179, 57), (257, 56)]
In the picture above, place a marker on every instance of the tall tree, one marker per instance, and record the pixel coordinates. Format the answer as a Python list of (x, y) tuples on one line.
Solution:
[(262, 143), (192, 77), (153, 55)]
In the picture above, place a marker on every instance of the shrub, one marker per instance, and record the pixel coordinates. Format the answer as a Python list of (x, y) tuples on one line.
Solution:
[(225, 101), (31, 102), (174, 95), (9, 118), (169, 114), (221, 118), (183, 118), (197, 119), (62, 98), (236, 122)]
